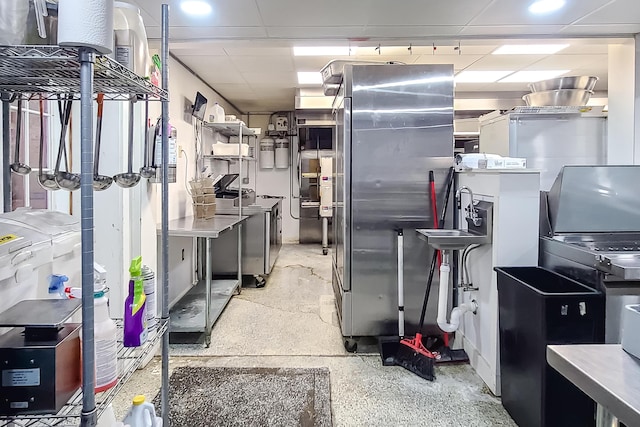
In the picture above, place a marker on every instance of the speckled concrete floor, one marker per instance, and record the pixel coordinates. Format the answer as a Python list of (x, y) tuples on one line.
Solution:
[(292, 323)]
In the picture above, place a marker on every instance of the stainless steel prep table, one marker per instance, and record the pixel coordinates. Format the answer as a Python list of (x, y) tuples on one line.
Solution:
[(607, 374), (201, 306), (261, 239)]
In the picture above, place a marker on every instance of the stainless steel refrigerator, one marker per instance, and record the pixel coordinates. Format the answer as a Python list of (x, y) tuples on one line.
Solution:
[(394, 123)]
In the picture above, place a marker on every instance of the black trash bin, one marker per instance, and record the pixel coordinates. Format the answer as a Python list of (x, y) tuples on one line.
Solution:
[(538, 308)]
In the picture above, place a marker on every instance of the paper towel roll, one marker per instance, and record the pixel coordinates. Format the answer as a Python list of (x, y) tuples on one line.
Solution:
[(86, 23)]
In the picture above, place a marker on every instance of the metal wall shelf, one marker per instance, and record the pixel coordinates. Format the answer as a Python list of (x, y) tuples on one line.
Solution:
[(230, 129), (228, 158), (54, 70), (129, 360)]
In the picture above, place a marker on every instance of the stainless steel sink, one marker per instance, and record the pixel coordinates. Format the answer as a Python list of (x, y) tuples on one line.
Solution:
[(451, 239)]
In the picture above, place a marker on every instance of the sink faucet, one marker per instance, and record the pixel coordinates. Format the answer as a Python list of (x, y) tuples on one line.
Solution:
[(472, 212)]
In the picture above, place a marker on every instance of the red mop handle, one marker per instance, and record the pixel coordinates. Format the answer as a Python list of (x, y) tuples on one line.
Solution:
[(434, 206)]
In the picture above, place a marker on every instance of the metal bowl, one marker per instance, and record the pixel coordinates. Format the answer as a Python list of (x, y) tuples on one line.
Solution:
[(562, 97), (569, 82)]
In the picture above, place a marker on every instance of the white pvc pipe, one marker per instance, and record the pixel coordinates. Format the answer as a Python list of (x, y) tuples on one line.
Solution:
[(443, 301)]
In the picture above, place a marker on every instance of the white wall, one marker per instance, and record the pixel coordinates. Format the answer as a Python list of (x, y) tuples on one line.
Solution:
[(622, 147), (277, 182)]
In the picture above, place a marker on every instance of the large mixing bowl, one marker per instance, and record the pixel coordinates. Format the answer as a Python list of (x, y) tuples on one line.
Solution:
[(569, 82), (562, 97)]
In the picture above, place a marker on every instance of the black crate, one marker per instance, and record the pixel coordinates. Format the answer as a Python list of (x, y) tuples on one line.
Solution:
[(538, 308)]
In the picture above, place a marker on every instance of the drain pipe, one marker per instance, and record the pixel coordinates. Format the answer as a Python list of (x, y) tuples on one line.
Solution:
[(443, 300)]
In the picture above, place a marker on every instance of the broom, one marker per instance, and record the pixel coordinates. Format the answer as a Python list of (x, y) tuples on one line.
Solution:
[(412, 354)]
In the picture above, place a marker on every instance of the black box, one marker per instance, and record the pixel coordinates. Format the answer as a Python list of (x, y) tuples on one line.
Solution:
[(538, 308), (39, 377)]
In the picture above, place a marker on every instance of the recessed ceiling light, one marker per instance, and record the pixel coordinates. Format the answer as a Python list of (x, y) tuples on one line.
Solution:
[(529, 49), (533, 76), (481, 76), (324, 50), (309, 78), (546, 6), (195, 7)]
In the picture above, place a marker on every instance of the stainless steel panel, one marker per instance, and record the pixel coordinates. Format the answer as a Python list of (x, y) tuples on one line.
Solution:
[(224, 249), (275, 235), (595, 200), (606, 373), (401, 126), (341, 168)]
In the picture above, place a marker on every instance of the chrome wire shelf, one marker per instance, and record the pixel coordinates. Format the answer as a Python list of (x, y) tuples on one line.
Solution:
[(129, 360), (54, 70)]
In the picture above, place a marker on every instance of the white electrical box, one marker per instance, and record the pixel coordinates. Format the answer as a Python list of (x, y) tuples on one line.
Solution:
[(326, 187), (282, 124)]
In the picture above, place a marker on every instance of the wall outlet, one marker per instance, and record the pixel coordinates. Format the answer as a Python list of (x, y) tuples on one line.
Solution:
[(179, 151)]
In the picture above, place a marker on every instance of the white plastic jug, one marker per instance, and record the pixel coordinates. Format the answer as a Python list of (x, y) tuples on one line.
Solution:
[(142, 414)]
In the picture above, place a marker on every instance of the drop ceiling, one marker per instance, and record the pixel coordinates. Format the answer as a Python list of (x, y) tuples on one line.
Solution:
[(244, 49)]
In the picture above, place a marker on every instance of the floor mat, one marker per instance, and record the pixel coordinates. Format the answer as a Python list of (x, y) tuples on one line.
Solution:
[(201, 396)]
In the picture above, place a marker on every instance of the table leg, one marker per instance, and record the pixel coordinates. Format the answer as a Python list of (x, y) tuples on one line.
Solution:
[(239, 258), (604, 418), (207, 297)]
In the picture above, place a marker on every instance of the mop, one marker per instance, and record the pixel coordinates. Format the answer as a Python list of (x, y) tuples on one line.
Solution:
[(412, 354)]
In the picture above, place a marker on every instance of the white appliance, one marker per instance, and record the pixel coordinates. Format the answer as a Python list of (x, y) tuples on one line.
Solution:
[(35, 244), (326, 199), (515, 195), (282, 124)]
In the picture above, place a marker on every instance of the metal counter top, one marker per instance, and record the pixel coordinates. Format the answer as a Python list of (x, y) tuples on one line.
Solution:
[(207, 228), (260, 206), (606, 373)]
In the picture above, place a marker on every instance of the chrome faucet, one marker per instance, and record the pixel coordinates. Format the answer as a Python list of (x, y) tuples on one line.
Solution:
[(472, 212)]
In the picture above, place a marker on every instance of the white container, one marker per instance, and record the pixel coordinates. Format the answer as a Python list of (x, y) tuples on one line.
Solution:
[(105, 336), (142, 414), (230, 118), (224, 149), (131, 45), (217, 114), (282, 153), (630, 328), (149, 281), (267, 153)]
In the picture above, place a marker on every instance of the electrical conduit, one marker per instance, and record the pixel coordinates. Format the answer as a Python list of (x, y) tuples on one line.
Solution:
[(443, 300)]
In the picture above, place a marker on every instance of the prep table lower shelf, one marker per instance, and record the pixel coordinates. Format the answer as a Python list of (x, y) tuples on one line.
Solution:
[(187, 315)]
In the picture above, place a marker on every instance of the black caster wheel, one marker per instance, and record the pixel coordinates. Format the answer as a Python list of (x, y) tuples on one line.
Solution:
[(260, 282), (325, 251), (350, 345)]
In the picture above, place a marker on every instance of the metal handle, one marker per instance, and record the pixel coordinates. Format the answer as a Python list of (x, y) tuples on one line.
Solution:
[(18, 130)]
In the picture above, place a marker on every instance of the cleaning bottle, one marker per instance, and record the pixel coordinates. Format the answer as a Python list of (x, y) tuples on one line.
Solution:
[(135, 322), (105, 331), (142, 414)]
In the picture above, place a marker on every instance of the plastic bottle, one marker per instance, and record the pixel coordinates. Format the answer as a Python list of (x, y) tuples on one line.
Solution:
[(135, 322), (142, 414), (105, 336)]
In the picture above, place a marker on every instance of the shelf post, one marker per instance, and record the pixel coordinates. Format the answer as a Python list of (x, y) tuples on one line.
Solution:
[(89, 416), (164, 390), (6, 144)]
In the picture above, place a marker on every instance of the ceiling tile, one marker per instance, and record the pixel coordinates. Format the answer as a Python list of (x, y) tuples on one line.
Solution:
[(259, 51), (590, 30), (406, 31), (510, 12), (311, 13), (256, 63), (309, 63), (239, 13), (586, 49), (277, 79), (191, 33), (318, 33), (420, 12), (567, 62), (617, 12), (502, 30), (505, 62)]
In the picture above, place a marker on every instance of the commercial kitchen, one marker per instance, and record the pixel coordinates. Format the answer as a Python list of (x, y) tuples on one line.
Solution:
[(297, 213)]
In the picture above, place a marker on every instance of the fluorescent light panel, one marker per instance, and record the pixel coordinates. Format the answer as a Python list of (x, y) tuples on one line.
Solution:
[(529, 49), (309, 78), (195, 7), (533, 76), (323, 51), (481, 76), (542, 7)]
